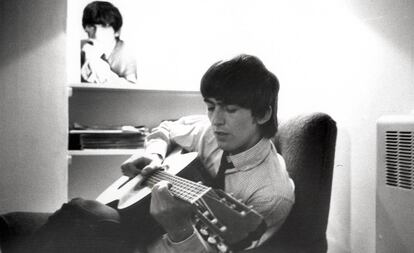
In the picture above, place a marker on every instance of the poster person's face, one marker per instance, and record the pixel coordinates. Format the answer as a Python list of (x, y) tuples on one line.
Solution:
[(101, 34)]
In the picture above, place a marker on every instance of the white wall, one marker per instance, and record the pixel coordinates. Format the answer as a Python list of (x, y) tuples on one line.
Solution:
[(354, 60), (33, 128)]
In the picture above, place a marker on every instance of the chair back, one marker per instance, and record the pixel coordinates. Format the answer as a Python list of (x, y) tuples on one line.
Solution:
[(307, 143)]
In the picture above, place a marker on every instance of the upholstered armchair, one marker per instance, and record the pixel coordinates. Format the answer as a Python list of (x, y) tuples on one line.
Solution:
[(307, 142)]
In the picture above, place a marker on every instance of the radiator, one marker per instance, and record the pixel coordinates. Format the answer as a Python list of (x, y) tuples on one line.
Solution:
[(395, 184)]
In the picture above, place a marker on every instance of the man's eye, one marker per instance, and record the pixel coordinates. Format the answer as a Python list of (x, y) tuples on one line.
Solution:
[(231, 109), (210, 109)]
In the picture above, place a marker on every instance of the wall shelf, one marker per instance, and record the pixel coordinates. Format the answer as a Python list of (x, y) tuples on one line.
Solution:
[(92, 86), (104, 152), (126, 87)]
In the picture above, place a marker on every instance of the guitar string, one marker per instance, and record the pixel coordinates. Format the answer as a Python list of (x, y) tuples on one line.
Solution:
[(181, 190), (201, 188), (190, 190), (187, 182), (168, 177), (182, 195), (178, 190), (186, 185)]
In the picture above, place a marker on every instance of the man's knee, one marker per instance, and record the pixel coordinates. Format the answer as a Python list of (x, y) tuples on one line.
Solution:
[(86, 215), (94, 210)]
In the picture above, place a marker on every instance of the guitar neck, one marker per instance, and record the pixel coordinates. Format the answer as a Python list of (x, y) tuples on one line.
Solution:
[(182, 188)]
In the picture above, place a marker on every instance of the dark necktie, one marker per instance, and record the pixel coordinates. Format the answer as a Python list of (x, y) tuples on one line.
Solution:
[(224, 165)]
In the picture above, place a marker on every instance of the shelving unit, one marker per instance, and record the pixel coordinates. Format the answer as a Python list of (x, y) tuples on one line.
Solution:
[(92, 170), (94, 87)]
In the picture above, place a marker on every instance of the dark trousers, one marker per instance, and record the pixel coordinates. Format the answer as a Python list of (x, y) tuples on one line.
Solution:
[(81, 226)]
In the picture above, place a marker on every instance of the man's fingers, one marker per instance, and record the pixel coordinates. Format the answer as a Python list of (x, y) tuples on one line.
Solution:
[(149, 169), (129, 170), (162, 188)]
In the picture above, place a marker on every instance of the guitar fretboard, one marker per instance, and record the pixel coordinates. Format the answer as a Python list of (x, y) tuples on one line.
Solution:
[(182, 188)]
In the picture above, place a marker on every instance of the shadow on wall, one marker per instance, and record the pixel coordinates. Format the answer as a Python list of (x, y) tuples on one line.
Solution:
[(19, 42), (391, 19)]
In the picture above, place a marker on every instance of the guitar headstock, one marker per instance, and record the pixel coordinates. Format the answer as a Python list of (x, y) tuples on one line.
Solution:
[(224, 220)]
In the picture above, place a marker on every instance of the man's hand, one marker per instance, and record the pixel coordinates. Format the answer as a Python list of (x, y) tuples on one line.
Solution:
[(97, 70), (137, 163), (173, 214), (93, 50)]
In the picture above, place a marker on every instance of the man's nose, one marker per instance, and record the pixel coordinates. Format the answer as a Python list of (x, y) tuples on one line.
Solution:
[(218, 117)]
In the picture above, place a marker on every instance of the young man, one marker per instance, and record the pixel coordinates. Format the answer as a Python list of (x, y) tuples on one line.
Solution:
[(104, 56), (241, 99)]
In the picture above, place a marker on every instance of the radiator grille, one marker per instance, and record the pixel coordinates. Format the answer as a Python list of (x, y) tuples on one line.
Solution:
[(399, 159)]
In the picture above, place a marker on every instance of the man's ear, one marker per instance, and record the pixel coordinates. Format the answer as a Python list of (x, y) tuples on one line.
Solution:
[(266, 117)]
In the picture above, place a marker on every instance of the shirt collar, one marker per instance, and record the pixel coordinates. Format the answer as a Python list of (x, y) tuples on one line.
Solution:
[(252, 157)]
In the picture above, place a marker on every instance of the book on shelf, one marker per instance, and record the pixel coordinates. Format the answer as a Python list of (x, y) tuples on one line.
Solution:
[(122, 137)]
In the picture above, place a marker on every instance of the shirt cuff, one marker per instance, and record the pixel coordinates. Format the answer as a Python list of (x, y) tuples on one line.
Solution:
[(193, 243), (157, 146)]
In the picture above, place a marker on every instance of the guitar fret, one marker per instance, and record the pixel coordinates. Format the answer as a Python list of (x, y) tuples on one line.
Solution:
[(184, 192), (182, 182), (182, 188)]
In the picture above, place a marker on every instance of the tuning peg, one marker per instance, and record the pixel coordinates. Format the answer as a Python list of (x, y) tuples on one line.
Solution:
[(199, 182), (243, 213), (214, 221), (204, 231), (222, 247), (211, 240), (223, 229)]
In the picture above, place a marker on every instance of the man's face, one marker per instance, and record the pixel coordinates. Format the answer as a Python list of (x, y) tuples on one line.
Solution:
[(235, 129)]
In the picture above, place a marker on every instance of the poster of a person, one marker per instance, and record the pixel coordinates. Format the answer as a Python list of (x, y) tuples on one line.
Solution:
[(105, 58)]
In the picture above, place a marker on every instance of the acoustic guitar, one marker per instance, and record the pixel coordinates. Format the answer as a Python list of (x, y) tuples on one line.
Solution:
[(223, 221)]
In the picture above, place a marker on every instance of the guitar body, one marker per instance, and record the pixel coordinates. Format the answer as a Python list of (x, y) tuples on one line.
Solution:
[(222, 221)]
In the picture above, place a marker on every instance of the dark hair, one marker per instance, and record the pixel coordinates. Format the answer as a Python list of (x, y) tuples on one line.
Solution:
[(245, 81), (102, 13)]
